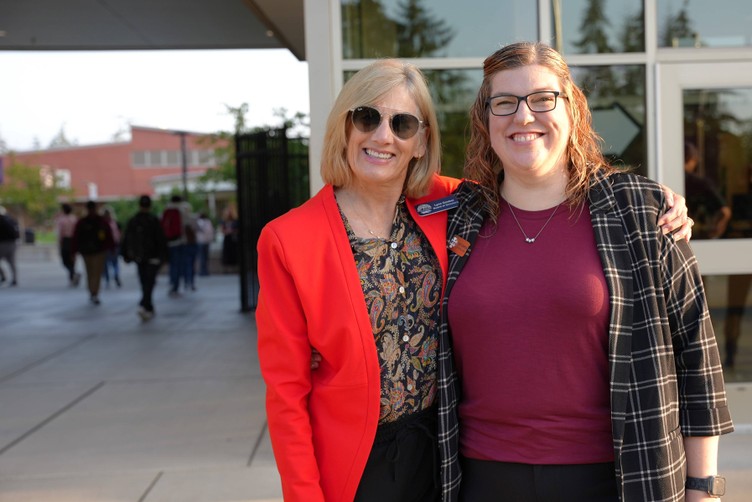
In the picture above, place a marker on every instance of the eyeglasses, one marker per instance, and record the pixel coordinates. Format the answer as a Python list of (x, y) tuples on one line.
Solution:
[(507, 104), (367, 119)]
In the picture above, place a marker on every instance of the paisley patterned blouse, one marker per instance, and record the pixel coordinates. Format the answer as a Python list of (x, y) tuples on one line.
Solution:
[(401, 280)]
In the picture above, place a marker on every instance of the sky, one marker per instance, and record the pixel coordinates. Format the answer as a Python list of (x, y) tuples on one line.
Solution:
[(92, 95)]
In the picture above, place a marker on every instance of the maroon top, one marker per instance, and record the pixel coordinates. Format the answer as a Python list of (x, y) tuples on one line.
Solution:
[(532, 354)]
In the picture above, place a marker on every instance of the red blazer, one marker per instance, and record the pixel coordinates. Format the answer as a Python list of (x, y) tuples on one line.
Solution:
[(322, 423)]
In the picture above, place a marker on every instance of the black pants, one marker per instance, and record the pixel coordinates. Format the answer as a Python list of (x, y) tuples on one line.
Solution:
[(403, 464), (67, 257), (488, 481), (147, 275)]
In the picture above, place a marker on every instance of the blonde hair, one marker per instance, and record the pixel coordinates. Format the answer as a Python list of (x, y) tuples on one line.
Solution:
[(366, 88), (584, 157)]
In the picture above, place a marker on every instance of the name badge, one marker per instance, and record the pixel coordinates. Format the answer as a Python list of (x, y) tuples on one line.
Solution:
[(437, 206)]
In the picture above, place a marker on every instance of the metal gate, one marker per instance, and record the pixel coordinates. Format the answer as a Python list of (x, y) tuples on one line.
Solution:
[(272, 178)]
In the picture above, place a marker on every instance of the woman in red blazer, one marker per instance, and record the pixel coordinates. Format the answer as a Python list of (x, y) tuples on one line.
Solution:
[(357, 274)]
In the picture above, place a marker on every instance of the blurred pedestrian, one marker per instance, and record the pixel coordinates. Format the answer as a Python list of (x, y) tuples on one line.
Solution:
[(92, 238), (145, 244), (204, 237), (111, 262), (8, 236), (230, 231), (65, 224), (174, 218), (191, 251)]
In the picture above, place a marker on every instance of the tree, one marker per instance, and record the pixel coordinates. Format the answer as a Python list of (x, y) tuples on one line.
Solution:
[(223, 142), (60, 140), (367, 32), (633, 33), (29, 193), (594, 27), (678, 28), (420, 34), (599, 80)]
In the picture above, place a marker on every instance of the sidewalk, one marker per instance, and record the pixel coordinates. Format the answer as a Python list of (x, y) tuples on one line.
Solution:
[(96, 406)]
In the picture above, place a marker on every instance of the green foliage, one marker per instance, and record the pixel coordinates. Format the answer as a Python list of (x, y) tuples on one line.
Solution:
[(31, 193), (125, 209), (223, 142)]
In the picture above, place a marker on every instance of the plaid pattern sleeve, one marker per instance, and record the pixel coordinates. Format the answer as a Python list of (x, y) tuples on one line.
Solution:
[(463, 222), (665, 371)]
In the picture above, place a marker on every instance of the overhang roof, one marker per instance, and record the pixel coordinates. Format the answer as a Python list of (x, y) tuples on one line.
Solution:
[(43, 25)]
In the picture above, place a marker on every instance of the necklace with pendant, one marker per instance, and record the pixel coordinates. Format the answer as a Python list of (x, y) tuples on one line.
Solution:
[(531, 240), (364, 222)]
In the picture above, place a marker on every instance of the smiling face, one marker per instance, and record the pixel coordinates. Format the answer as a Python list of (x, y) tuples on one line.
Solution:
[(379, 158), (530, 145)]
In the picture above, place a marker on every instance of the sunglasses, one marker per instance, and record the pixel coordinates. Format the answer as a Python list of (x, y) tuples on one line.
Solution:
[(367, 119)]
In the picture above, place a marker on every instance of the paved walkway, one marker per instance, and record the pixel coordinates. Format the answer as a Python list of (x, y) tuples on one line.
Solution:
[(96, 406)]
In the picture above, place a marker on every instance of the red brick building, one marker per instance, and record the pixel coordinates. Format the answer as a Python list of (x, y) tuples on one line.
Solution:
[(149, 163)]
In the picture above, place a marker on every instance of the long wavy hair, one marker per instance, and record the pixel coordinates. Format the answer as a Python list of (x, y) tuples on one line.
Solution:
[(584, 157)]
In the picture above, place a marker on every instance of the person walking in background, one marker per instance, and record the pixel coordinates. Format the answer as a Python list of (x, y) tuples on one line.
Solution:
[(8, 236), (174, 218), (191, 251), (92, 238), (230, 233), (204, 238), (65, 224), (111, 262), (145, 244), (577, 356)]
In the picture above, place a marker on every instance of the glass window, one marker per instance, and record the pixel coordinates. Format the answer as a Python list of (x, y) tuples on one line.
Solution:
[(206, 158), (598, 26), (453, 91), (730, 303), (718, 161), (437, 28), (138, 159), (616, 96), (704, 23), (155, 158), (173, 157)]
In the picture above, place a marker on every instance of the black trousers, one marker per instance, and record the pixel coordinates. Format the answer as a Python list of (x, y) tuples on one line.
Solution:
[(68, 259), (488, 481), (147, 276), (403, 465)]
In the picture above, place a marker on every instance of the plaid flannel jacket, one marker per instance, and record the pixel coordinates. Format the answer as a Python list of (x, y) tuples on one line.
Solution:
[(665, 372)]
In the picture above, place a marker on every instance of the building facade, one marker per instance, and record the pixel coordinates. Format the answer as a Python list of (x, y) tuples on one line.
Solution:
[(150, 162), (657, 73)]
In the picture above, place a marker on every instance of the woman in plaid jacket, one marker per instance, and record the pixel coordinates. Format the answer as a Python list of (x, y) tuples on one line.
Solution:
[(577, 358)]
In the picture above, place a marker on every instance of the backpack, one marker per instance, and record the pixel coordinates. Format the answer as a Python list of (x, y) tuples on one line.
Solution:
[(8, 229), (140, 240), (90, 236), (172, 223)]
